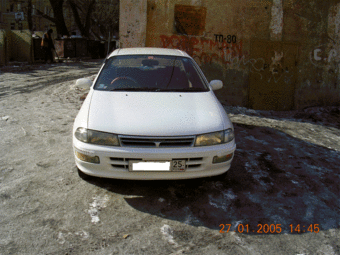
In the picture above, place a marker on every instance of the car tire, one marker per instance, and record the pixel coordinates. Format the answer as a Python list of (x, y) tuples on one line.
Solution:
[(84, 176)]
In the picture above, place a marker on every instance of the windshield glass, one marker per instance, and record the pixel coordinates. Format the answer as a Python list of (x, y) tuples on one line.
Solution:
[(150, 73)]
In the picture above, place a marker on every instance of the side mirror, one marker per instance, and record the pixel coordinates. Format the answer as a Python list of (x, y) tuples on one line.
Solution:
[(83, 83), (216, 84)]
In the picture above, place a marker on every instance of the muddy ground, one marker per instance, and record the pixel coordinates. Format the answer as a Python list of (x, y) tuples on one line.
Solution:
[(285, 171)]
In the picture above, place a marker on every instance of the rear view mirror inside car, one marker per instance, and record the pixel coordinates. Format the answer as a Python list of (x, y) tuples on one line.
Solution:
[(150, 62)]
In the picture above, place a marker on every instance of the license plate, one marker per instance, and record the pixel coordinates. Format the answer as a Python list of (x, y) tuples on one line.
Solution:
[(157, 166), (178, 165)]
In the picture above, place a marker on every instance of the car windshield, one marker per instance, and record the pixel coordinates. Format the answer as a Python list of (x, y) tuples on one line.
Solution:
[(150, 73)]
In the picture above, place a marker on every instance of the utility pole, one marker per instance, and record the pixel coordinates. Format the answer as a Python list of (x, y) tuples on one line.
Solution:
[(3, 7), (30, 27), (29, 15), (109, 39)]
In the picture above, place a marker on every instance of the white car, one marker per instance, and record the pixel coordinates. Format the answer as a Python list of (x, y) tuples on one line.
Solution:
[(151, 114)]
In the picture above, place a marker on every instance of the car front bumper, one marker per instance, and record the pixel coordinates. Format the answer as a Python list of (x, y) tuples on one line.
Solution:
[(114, 161)]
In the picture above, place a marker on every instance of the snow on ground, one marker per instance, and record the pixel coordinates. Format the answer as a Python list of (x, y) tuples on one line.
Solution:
[(285, 171), (318, 125), (327, 115), (97, 204)]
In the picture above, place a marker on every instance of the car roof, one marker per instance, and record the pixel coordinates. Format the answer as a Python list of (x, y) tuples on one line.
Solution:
[(149, 51)]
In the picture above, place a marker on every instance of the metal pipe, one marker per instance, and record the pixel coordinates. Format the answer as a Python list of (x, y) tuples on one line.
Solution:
[(108, 42), (109, 39)]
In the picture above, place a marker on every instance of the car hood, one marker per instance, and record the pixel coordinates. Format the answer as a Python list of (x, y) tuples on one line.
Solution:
[(155, 113)]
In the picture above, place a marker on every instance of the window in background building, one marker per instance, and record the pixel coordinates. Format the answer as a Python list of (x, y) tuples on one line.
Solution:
[(12, 26), (19, 7), (20, 26), (33, 9), (11, 8)]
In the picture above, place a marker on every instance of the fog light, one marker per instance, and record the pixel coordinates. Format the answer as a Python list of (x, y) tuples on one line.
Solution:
[(221, 159), (87, 158)]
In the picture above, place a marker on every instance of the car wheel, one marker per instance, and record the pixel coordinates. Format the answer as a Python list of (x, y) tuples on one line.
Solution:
[(84, 176)]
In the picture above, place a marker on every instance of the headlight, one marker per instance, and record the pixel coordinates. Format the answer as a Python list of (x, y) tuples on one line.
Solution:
[(102, 138), (96, 137), (209, 139), (228, 135), (220, 137), (81, 134)]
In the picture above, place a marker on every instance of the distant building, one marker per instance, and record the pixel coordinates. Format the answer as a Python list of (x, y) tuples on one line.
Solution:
[(9, 8)]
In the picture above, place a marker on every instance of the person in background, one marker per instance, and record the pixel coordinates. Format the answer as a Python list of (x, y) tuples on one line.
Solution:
[(47, 45)]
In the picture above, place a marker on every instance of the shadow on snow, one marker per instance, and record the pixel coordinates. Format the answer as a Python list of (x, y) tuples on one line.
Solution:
[(274, 179)]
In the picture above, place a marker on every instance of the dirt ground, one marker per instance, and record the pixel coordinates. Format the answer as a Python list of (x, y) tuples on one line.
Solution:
[(285, 171)]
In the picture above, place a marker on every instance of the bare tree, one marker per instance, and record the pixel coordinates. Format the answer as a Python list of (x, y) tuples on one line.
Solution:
[(106, 16), (95, 17), (58, 11), (83, 16), (92, 17), (58, 19)]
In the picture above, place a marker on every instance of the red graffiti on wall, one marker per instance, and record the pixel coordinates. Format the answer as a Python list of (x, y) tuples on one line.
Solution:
[(204, 50)]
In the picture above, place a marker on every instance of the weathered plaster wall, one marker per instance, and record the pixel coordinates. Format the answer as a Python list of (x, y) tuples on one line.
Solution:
[(276, 23), (313, 24), (285, 52), (132, 23)]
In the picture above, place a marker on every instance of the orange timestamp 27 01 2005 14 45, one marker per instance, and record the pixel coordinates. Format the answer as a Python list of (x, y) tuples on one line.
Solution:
[(270, 228)]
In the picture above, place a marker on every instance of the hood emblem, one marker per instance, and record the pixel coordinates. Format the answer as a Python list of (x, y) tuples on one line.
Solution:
[(157, 144)]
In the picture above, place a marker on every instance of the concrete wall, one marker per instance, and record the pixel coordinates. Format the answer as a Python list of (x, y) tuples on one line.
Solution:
[(3, 48), (15, 45), (20, 45), (132, 23), (270, 54)]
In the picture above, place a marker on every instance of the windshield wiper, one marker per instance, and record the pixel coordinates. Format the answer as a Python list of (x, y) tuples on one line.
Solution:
[(135, 89), (186, 90), (158, 89)]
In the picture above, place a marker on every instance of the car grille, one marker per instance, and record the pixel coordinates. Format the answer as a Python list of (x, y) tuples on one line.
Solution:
[(157, 142), (123, 163)]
